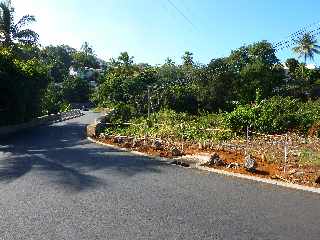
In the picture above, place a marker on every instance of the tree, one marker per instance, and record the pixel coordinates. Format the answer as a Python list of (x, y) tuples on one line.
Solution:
[(52, 100), (216, 86), (11, 32), (125, 60), (59, 58), (76, 90), (292, 64), (307, 47), (124, 64), (255, 67), (87, 49), (187, 58), (22, 84), (85, 58)]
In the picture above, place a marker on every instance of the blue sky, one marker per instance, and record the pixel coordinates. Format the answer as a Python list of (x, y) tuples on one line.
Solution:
[(152, 30)]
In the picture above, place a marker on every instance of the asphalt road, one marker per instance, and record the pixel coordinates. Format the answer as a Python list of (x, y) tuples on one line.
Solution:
[(54, 184)]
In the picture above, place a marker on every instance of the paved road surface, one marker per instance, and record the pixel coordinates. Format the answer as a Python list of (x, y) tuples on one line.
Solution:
[(54, 184)]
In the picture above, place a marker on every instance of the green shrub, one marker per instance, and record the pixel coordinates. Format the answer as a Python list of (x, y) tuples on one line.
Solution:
[(122, 113), (308, 115), (65, 107), (177, 126), (275, 115), (241, 118)]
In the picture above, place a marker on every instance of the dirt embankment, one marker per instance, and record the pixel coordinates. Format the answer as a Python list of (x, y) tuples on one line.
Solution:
[(232, 156)]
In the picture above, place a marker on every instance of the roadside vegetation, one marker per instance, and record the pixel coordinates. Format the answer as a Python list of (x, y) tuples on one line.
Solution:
[(247, 94), (35, 80)]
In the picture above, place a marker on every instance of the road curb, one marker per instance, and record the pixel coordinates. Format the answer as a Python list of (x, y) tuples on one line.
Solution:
[(218, 171)]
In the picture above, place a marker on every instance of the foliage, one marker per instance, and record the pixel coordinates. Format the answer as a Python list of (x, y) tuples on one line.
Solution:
[(175, 126), (84, 58), (59, 58), (275, 115), (76, 90), (122, 113), (241, 118), (11, 32), (22, 86), (307, 47), (302, 82), (125, 83), (52, 100)]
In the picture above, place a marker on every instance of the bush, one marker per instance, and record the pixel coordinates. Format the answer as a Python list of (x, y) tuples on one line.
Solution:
[(275, 115), (308, 115), (76, 90), (52, 100), (168, 124), (22, 84), (122, 113), (241, 118)]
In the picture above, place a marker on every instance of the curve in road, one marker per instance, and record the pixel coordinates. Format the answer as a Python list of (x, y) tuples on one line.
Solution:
[(54, 184)]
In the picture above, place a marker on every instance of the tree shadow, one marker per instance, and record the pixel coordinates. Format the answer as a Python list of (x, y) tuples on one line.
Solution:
[(62, 153)]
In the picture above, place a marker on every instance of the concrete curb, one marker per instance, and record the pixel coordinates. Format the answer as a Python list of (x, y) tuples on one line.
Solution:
[(218, 171)]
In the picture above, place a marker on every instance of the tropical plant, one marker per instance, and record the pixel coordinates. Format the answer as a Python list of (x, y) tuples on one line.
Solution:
[(76, 89), (22, 84), (307, 47), (11, 31), (85, 58)]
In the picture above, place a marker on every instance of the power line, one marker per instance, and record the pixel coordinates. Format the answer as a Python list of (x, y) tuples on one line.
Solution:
[(181, 13), (313, 29)]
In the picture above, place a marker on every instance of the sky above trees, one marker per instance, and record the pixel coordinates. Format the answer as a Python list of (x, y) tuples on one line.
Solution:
[(154, 30)]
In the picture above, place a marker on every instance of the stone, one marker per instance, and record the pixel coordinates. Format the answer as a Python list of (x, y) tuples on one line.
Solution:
[(250, 164), (317, 180), (127, 145), (101, 119), (157, 144), (298, 174), (216, 160), (102, 136), (183, 164), (311, 171), (233, 165), (92, 130), (136, 143), (175, 151), (118, 139), (292, 171)]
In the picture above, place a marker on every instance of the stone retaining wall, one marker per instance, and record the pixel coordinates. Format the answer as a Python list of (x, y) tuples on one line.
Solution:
[(94, 130)]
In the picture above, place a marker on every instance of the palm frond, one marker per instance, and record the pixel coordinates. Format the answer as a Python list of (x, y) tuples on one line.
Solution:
[(317, 51), (24, 21), (307, 47), (27, 36), (316, 46)]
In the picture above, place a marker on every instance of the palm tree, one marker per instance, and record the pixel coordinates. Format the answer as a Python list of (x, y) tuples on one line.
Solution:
[(307, 47), (11, 32)]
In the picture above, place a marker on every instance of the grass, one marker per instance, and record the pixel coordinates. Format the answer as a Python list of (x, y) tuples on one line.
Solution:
[(99, 110), (176, 126), (309, 157)]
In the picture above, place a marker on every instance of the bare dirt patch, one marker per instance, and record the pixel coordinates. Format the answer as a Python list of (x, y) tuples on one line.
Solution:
[(233, 155)]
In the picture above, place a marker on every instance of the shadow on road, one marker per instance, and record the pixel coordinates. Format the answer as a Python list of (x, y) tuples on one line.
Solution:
[(61, 153)]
